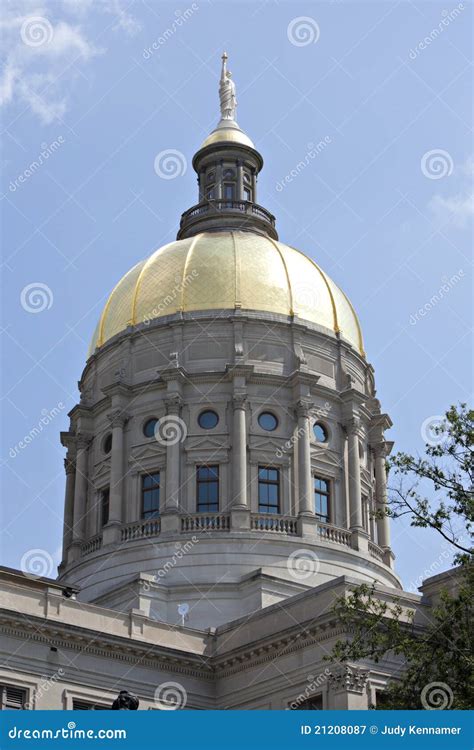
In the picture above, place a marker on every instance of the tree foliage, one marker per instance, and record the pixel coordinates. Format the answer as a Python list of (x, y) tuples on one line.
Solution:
[(434, 648)]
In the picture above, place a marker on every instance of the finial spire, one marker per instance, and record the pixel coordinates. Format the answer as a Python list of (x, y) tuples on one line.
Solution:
[(228, 99)]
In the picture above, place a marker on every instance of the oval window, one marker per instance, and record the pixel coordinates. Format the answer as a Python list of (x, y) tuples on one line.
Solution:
[(208, 419), (149, 428), (320, 432), (267, 421), (107, 444)]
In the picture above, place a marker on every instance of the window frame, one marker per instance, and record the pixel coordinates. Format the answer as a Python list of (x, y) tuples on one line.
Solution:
[(4, 688), (322, 493), (148, 515), (325, 430), (269, 483), (104, 495), (207, 410), (205, 482), (271, 414), (145, 423)]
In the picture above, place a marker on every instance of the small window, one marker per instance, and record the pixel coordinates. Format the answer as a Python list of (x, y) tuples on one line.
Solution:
[(267, 421), (268, 490), (247, 194), (246, 177), (208, 419), (104, 506), (228, 192), (107, 444), (320, 432), (207, 490), (151, 495), (149, 428), (210, 194), (321, 499), (210, 177), (229, 174), (12, 698), (79, 705)]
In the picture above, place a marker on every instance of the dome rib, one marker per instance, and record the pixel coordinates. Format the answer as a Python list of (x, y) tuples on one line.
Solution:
[(138, 282), (290, 290), (185, 267), (336, 328)]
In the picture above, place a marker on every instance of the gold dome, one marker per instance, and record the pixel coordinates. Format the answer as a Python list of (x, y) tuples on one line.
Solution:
[(227, 135), (222, 271)]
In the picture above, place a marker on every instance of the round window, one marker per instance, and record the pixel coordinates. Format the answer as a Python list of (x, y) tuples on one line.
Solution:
[(320, 432), (208, 419), (107, 444), (149, 428), (267, 421)]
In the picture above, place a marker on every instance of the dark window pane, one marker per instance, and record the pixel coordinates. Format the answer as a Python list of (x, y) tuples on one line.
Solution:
[(208, 419), (228, 192), (267, 421), (247, 194), (151, 495), (149, 428), (107, 445), (104, 506)]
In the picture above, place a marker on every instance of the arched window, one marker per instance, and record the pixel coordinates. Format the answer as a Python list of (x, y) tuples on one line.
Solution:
[(320, 432), (149, 427), (267, 421), (208, 419)]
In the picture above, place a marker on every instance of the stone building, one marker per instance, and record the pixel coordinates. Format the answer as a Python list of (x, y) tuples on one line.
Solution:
[(222, 469)]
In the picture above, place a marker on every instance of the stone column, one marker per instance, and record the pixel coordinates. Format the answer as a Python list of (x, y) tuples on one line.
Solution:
[(348, 688), (202, 186), (381, 451), (218, 182), (355, 494), (70, 469), (111, 532), (254, 186), (80, 496), (239, 454), (172, 433), (305, 479)]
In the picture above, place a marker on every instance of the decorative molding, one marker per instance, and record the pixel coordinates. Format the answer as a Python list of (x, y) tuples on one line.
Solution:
[(349, 679)]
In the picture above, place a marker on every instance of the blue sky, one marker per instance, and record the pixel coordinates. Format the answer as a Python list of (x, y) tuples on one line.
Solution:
[(384, 207)]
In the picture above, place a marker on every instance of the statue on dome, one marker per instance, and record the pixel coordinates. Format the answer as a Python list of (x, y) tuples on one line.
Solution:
[(227, 95)]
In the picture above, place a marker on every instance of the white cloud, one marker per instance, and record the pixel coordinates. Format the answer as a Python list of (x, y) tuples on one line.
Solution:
[(457, 208), (45, 47)]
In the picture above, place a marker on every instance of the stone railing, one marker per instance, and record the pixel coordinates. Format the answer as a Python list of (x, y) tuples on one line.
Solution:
[(375, 551), (206, 522), (267, 522), (92, 545), (334, 534), (141, 529)]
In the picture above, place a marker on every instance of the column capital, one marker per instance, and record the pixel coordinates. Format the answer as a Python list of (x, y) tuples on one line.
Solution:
[(69, 465), (353, 425), (349, 679), (303, 408), (118, 418), (83, 441), (382, 449), (239, 400)]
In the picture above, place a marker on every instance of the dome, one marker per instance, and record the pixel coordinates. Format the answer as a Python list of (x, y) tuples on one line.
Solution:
[(227, 135), (228, 270)]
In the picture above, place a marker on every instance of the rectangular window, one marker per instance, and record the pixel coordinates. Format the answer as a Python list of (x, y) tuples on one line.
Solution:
[(365, 512), (79, 705), (12, 698), (210, 195), (321, 499), (104, 506), (151, 495), (268, 490), (315, 703), (207, 489), (228, 192), (247, 194)]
